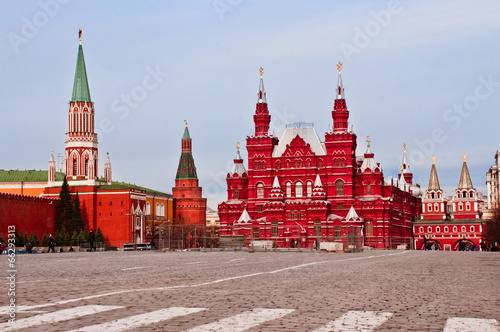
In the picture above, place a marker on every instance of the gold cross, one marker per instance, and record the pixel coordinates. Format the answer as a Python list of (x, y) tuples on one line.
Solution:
[(261, 71), (339, 66), (368, 139), (237, 145), (433, 158), (464, 155)]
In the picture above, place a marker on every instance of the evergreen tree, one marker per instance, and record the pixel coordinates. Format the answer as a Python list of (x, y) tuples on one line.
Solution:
[(99, 237), (74, 238), (59, 238), (76, 221), (2, 240), (17, 238), (67, 239), (45, 240), (35, 242), (82, 237), (30, 239), (64, 207), (25, 239)]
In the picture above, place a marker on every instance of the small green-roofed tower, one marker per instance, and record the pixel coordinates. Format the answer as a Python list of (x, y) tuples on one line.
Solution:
[(81, 90), (186, 169)]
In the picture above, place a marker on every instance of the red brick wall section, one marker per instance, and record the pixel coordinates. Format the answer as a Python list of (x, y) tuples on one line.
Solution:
[(29, 214)]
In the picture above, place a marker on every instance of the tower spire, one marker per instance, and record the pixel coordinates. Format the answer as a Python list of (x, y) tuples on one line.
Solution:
[(465, 181), (340, 114), (261, 117), (186, 169), (81, 90), (405, 168), (433, 178)]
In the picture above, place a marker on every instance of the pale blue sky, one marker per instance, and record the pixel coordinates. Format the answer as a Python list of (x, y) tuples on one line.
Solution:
[(406, 65)]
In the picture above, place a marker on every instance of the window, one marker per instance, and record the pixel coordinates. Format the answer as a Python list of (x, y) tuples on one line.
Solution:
[(100, 203), (429, 207), (298, 190), (369, 228), (438, 229), (110, 203), (454, 229), (463, 229), (86, 167), (292, 215), (299, 215), (236, 193), (288, 164), (260, 190), (467, 206), (308, 162), (148, 208), (446, 229), (421, 229), (274, 228), (432, 195), (74, 167), (429, 229), (368, 189), (471, 194), (340, 206), (472, 229), (158, 210), (464, 194), (317, 228), (339, 186), (162, 210), (259, 209), (278, 164), (288, 189), (436, 207), (319, 162), (256, 233), (121, 203), (337, 233), (309, 188)]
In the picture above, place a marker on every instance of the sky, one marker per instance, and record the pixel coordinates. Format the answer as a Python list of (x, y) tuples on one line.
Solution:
[(425, 73)]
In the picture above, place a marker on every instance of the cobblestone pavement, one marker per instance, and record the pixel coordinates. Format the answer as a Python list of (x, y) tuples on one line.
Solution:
[(384, 290)]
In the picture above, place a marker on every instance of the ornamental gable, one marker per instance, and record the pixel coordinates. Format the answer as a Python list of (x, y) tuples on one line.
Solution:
[(298, 147)]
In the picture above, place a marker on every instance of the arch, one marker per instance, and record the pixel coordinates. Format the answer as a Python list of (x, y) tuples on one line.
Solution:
[(309, 188), (464, 245), (148, 208), (260, 190), (431, 244), (288, 189), (339, 188), (337, 233), (298, 189), (274, 228), (278, 164)]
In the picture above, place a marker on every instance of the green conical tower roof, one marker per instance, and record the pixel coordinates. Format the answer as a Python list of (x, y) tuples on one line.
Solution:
[(186, 169), (81, 90)]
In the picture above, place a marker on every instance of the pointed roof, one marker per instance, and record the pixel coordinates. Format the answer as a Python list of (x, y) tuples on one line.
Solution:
[(186, 132), (245, 217), (318, 191), (261, 96), (465, 181), (340, 87), (433, 178), (405, 166), (276, 183), (352, 215), (368, 161), (81, 90), (317, 182), (51, 156), (238, 167), (276, 192)]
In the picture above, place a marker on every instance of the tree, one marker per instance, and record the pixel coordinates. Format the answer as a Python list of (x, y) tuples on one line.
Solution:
[(59, 238), (35, 242), (99, 237), (64, 207), (67, 239), (76, 222), (82, 237), (45, 240), (74, 238), (492, 228)]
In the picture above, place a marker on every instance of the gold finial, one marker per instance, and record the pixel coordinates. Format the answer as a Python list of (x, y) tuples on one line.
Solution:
[(339, 67), (404, 147), (261, 70), (238, 145), (464, 155), (186, 121), (80, 36), (368, 139), (433, 158)]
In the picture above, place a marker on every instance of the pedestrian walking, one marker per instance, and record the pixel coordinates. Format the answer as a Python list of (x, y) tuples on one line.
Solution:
[(52, 243), (92, 239)]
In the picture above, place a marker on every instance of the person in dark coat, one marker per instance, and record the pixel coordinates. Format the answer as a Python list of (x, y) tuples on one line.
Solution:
[(92, 239), (52, 243)]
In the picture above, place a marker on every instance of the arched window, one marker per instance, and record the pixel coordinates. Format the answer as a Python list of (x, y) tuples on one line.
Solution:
[(436, 207), (337, 233), (75, 170), (308, 162), (471, 194), (86, 167), (463, 229), (460, 207), (421, 229), (288, 189), (288, 164), (162, 210), (467, 206), (278, 164), (292, 215), (319, 162), (317, 228), (309, 188), (260, 190), (148, 208), (446, 229), (454, 229), (158, 209), (298, 190), (429, 207), (432, 195), (256, 233), (274, 228), (236, 193), (369, 228), (429, 229), (299, 215), (464, 194), (472, 229), (339, 186), (438, 229)]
